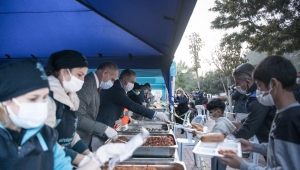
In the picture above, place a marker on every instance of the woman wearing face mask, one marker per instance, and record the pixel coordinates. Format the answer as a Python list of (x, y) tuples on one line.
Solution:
[(182, 106), (25, 142), (66, 70)]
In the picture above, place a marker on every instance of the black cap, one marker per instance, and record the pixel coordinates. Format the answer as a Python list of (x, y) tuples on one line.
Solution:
[(66, 59), (20, 77), (136, 86)]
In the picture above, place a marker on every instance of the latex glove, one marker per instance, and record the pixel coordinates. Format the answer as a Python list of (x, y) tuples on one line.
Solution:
[(85, 160), (117, 122), (111, 133), (162, 116), (128, 113), (91, 154), (105, 152)]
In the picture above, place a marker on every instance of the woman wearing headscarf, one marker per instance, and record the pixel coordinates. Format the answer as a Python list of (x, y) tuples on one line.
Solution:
[(25, 142), (66, 70)]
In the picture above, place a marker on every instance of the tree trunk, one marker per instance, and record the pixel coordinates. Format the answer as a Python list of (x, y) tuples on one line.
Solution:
[(228, 93), (198, 81)]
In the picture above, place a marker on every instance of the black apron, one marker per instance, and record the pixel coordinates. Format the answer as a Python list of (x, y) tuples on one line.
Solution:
[(44, 161), (67, 123)]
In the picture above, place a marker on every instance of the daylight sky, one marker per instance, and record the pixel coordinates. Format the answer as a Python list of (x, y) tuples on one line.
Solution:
[(200, 23)]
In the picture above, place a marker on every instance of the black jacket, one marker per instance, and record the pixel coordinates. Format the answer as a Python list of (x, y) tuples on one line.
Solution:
[(182, 104), (239, 102), (296, 92), (198, 97), (259, 119), (112, 103), (134, 97)]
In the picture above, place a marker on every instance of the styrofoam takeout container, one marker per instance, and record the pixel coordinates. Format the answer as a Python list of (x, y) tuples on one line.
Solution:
[(210, 149), (190, 129)]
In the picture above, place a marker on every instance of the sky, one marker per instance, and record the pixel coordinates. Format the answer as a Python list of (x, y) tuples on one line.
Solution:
[(200, 23)]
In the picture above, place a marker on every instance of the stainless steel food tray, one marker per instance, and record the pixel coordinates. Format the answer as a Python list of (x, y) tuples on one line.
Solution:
[(151, 151), (135, 128), (157, 165)]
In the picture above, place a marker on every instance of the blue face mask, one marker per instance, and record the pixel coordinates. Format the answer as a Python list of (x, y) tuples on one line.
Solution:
[(106, 85)]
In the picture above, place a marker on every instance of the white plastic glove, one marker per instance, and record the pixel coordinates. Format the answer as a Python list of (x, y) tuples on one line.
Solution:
[(85, 160), (105, 152), (111, 133), (128, 113), (117, 122), (91, 154), (162, 116)]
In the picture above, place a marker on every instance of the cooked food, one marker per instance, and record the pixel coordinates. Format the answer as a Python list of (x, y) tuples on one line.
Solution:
[(212, 137), (152, 141), (149, 129), (197, 126), (132, 168), (222, 152)]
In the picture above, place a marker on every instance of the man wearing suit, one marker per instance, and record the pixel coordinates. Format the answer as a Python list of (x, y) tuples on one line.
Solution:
[(114, 100), (103, 78)]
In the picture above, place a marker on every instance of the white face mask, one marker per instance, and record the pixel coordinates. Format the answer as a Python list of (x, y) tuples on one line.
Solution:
[(211, 115), (298, 80), (145, 91), (30, 115), (266, 100), (74, 85), (106, 85), (189, 105), (239, 89), (128, 87), (137, 93), (178, 95)]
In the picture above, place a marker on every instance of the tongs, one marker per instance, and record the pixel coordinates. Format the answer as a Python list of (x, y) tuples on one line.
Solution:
[(121, 140)]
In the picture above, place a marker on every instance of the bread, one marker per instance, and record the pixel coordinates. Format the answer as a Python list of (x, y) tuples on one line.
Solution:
[(197, 126), (212, 137)]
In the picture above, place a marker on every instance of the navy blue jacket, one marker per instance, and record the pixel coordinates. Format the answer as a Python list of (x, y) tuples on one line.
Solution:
[(112, 103), (38, 150)]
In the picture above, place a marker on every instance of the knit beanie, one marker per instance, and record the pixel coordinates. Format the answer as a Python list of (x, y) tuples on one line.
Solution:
[(20, 77), (66, 59)]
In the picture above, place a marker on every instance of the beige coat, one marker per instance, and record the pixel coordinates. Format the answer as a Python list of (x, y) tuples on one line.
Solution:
[(60, 95)]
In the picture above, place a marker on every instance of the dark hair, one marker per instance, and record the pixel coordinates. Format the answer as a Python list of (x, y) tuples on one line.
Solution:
[(192, 104), (127, 73), (276, 67), (243, 71), (197, 88), (108, 66), (136, 86), (147, 84), (216, 104)]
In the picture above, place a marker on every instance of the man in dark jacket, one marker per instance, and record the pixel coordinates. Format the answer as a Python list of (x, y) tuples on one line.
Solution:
[(114, 100), (239, 102), (198, 97), (260, 117)]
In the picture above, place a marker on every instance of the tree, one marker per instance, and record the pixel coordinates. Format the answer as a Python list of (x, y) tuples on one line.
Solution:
[(267, 26), (180, 79), (211, 82), (195, 45), (226, 58)]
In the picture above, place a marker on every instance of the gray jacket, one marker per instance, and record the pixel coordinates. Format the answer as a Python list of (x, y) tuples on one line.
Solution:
[(283, 149), (88, 110)]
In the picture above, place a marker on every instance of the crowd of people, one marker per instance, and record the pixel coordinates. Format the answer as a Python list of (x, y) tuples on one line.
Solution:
[(61, 117)]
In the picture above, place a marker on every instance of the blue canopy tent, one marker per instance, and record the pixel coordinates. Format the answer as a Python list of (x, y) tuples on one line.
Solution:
[(136, 34)]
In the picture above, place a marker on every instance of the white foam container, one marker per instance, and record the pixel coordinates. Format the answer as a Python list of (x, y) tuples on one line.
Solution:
[(188, 129), (210, 149)]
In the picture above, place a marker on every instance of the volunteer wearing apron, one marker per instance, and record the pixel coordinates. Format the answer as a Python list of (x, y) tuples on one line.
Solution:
[(66, 70)]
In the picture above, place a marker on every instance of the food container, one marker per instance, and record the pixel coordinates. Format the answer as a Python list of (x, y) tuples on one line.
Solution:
[(157, 165), (151, 151), (152, 128), (210, 149)]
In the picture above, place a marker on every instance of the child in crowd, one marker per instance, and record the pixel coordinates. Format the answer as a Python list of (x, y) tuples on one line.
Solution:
[(275, 78), (216, 109)]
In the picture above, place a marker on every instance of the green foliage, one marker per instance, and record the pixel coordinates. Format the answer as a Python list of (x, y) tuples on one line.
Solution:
[(195, 45), (267, 26)]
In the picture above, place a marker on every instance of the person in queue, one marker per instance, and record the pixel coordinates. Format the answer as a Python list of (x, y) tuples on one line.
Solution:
[(181, 101), (134, 93), (66, 70), (193, 111), (275, 78), (114, 100), (26, 142), (198, 97), (260, 117), (94, 82)]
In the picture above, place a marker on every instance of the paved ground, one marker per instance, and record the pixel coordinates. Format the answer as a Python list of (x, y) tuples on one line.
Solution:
[(188, 157)]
